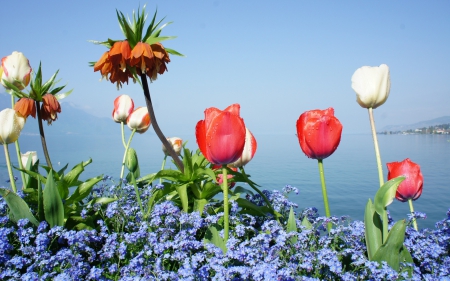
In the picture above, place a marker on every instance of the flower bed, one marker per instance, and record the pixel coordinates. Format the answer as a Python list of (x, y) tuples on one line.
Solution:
[(169, 246)]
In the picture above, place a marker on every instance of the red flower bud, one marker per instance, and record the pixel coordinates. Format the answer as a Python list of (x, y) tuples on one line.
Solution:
[(411, 187), (319, 133)]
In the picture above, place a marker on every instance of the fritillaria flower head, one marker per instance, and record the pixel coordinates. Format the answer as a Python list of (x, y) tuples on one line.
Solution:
[(141, 52)]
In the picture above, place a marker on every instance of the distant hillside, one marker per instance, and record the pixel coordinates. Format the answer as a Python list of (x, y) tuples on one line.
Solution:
[(71, 120), (432, 122)]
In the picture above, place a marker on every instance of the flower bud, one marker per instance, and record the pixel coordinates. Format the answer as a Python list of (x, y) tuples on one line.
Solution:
[(123, 106), (11, 123), (411, 187), (372, 85), (16, 70), (139, 120), (176, 145), (25, 156)]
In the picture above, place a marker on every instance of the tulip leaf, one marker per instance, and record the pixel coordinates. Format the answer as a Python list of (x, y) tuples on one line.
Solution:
[(212, 236), (200, 172), (18, 207), (83, 190), (373, 229), (71, 178), (53, 206), (393, 251), (172, 175), (41, 213), (182, 193), (199, 205), (386, 194), (292, 225), (187, 162), (245, 204), (209, 190), (306, 223)]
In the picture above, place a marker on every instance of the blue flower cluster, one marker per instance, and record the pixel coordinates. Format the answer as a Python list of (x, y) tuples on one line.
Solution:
[(169, 245)]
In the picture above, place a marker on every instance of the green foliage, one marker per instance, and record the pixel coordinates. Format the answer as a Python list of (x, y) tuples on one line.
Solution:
[(17, 206), (381, 244), (55, 203)]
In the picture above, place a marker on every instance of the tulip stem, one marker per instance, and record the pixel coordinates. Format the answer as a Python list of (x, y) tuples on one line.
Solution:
[(411, 208), (8, 164), (123, 134), (226, 211), (377, 150), (155, 126), (22, 174), (163, 165), (41, 132), (324, 192), (125, 155)]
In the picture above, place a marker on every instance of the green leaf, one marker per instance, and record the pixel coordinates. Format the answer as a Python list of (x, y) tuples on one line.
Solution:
[(187, 163), (71, 178), (173, 52), (53, 206), (152, 40), (212, 236), (386, 194), (182, 192), (306, 223), (17, 206), (244, 203), (41, 213), (292, 225), (172, 175), (210, 190), (199, 205), (83, 190), (373, 229), (60, 96), (393, 251)]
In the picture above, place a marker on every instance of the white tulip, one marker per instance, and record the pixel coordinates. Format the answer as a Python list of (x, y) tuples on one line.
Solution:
[(25, 156), (176, 144), (372, 85), (16, 70), (10, 125)]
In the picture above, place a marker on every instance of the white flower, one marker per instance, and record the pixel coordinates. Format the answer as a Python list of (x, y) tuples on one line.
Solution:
[(372, 85), (24, 157), (176, 145), (16, 70), (11, 124)]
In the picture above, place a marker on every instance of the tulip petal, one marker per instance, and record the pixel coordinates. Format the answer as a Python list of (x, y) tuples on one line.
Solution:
[(372, 85), (200, 135)]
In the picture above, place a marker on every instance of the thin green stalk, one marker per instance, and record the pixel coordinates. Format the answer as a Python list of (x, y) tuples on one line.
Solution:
[(125, 155), (259, 192), (19, 158), (155, 125), (123, 134), (226, 211), (8, 164), (377, 150), (163, 166), (41, 132), (324, 192), (385, 225), (411, 208)]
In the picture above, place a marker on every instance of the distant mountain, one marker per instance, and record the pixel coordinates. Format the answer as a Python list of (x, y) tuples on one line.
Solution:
[(71, 120), (428, 123)]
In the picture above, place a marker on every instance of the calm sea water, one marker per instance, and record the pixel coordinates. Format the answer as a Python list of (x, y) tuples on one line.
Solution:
[(350, 173)]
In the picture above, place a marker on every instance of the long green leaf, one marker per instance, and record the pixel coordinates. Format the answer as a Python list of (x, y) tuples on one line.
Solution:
[(182, 192), (83, 190), (386, 194), (199, 205), (53, 206), (212, 236), (71, 178), (18, 207), (373, 229), (292, 225), (393, 251)]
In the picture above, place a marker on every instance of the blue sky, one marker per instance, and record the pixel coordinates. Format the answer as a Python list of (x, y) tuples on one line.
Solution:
[(275, 58)]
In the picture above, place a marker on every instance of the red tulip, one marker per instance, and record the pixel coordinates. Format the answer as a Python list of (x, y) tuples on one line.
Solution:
[(123, 106), (221, 136), (248, 152), (411, 187), (319, 133)]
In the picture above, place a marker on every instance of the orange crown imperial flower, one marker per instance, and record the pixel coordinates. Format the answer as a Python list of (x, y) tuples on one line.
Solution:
[(50, 108), (140, 53), (26, 107)]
